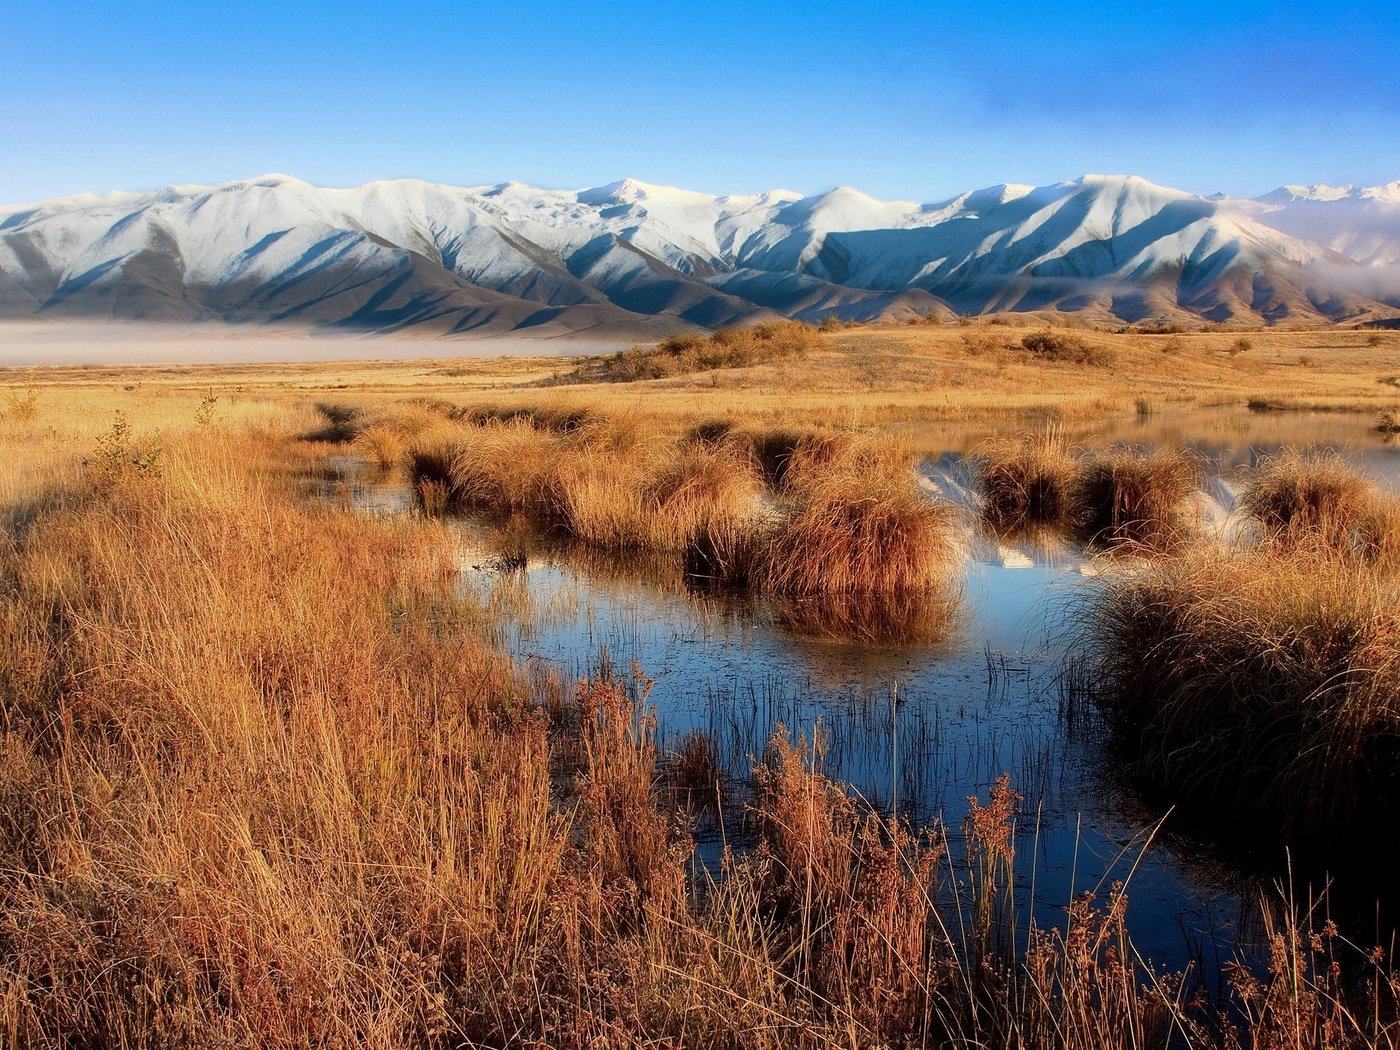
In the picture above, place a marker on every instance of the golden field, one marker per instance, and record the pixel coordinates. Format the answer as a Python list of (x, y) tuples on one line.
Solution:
[(862, 375), (265, 780)]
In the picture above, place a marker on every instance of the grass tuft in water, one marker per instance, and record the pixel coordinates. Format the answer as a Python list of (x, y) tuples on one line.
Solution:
[(1314, 499), (1126, 499)]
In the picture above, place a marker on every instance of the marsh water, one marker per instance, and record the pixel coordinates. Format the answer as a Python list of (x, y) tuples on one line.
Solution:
[(920, 726)]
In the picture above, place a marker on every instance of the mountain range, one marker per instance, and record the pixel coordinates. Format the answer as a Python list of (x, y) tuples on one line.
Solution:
[(633, 260)]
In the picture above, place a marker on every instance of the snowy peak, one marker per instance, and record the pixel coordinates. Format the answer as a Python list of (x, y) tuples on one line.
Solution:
[(643, 258), (627, 190), (1389, 194), (1315, 192)]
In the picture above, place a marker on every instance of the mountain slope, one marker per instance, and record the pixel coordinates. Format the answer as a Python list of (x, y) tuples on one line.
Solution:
[(632, 259)]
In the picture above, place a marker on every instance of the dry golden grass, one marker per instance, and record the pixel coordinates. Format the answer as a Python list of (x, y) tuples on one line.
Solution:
[(1027, 482), (1118, 498), (853, 520), (859, 525), (500, 468), (861, 376), (380, 445), (699, 492), (262, 784)]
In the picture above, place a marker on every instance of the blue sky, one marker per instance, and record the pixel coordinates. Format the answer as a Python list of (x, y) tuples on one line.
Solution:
[(909, 100)]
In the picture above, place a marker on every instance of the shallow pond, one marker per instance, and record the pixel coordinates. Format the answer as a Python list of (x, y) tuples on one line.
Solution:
[(921, 727)]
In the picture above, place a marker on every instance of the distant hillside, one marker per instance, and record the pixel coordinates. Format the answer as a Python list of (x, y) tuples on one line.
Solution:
[(631, 260)]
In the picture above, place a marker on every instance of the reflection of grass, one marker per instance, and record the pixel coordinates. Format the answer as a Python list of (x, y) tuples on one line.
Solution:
[(906, 617)]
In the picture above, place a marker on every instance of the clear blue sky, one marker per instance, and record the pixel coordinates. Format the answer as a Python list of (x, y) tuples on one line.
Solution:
[(909, 100)]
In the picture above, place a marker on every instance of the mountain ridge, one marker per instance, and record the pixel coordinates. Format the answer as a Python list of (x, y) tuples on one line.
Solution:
[(636, 259)]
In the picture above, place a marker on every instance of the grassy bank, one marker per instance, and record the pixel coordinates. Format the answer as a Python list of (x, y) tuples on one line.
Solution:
[(866, 375)]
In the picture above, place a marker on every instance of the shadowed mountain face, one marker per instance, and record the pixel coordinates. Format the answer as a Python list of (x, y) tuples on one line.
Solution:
[(631, 260)]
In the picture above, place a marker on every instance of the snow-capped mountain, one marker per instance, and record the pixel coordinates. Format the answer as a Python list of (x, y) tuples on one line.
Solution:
[(632, 259)]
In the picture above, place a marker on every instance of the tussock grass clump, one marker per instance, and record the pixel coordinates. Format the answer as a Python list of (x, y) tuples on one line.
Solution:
[(340, 423), (785, 455), (432, 460), (1125, 498), (381, 445), (715, 432), (1027, 482), (369, 427), (1260, 683), (504, 468), (597, 498), (681, 354), (554, 419), (659, 498), (604, 483), (698, 490), (1313, 498), (726, 553), (861, 526)]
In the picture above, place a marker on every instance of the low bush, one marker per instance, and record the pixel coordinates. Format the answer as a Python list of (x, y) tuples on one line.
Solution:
[(1050, 345), (683, 354)]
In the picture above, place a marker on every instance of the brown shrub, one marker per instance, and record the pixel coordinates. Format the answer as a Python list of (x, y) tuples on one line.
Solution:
[(1051, 345), (681, 354)]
